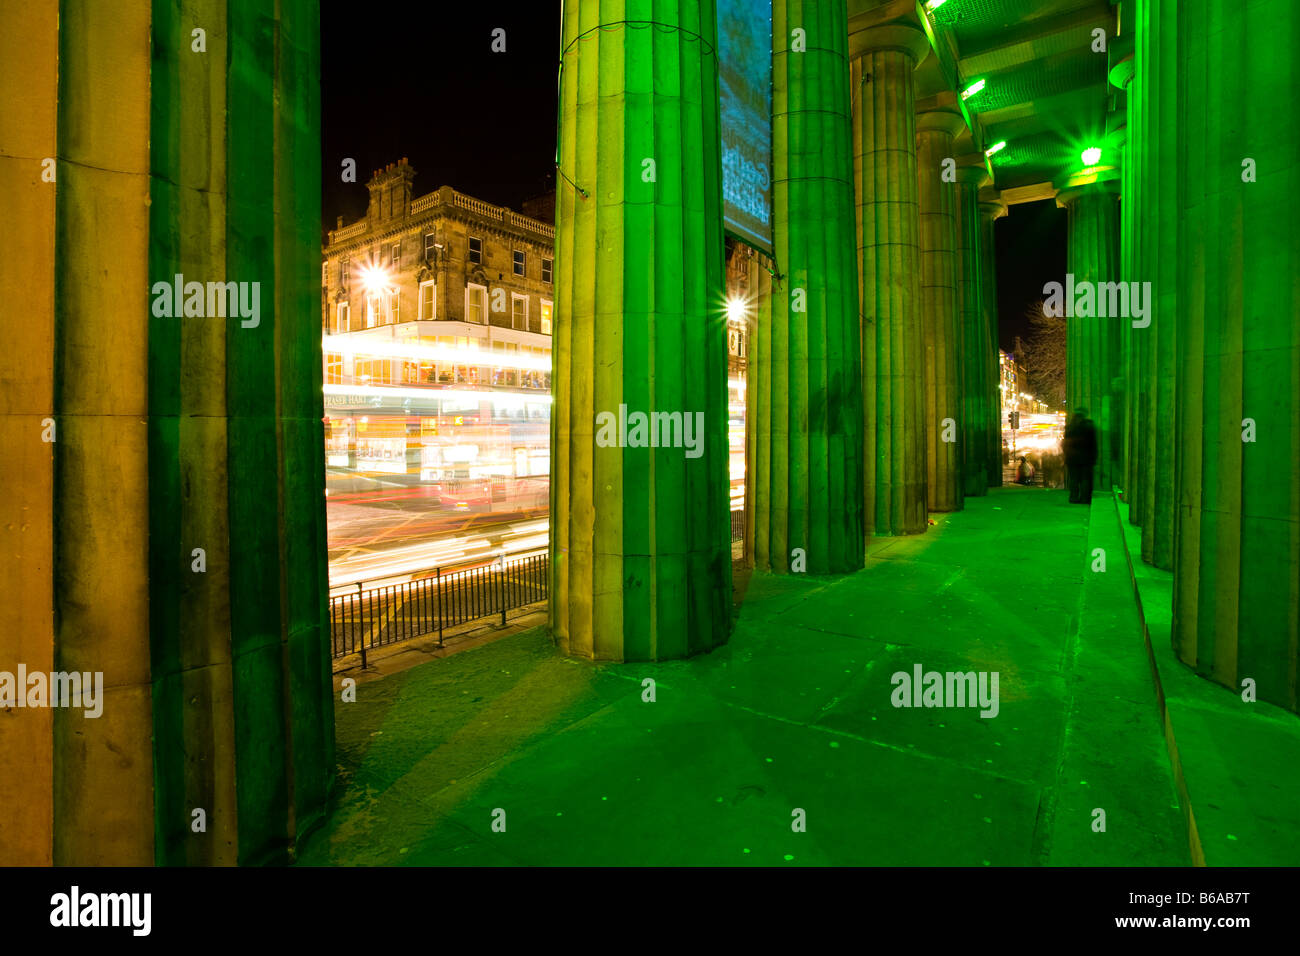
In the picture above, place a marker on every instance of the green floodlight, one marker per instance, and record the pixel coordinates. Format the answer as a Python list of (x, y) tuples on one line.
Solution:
[(933, 5), (1091, 156), (972, 89), (996, 147)]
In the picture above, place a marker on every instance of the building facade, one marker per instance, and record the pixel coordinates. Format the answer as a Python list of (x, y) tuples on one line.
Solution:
[(437, 312)]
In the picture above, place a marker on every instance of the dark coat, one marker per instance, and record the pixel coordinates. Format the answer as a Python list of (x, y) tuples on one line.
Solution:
[(1080, 443)]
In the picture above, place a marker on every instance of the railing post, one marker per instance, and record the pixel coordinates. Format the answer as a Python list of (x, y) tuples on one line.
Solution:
[(361, 610), (438, 572), (503, 589)]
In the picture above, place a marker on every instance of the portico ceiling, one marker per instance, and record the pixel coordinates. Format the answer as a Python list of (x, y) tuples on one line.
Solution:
[(1045, 87)]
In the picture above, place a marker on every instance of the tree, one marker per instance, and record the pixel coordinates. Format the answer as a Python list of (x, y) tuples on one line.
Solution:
[(1044, 355)]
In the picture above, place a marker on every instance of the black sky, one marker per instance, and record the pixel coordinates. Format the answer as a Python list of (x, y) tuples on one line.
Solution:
[(1030, 253), (420, 80)]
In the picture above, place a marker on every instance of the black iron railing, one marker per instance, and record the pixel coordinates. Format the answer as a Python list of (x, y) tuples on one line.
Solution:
[(362, 618)]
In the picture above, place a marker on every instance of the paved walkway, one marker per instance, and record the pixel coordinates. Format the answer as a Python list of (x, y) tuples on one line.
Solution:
[(792, 723)]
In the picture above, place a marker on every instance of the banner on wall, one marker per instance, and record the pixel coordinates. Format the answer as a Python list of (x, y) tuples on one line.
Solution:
[(745, 94)]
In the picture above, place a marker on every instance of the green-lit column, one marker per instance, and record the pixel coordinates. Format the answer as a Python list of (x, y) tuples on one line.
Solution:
[(941, 332), (809, 483), (1092, 343), (1236, 602), (640, 535), (1124, 143), (975, 343), (240, 651), (991, 208), (882, 61), (180, 490), (1156, 230)]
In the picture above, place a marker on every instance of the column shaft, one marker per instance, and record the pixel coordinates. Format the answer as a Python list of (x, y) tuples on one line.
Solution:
[(884, 149), (940, 319), (989, 213), (1157, 235), (1092, 345), (640, 539), (812, 475), (1236, 602), (974, 334), (188, 558)]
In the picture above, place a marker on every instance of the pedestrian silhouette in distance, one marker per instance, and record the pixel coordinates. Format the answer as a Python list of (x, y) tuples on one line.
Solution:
[(1080, 446)]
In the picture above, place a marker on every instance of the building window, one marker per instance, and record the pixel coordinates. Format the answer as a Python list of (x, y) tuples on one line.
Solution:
[(394, 307), (546, 270), (397, 255), (333, 368), (547, 309), (519, 262), (476, 250), (475, 303), (342, 317), (344, 273), (427, 300), (429, 241), (374, 307), (518, 311)]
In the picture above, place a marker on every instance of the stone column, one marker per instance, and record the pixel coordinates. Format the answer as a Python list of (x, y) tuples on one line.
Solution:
[(640, 535), (1127, 154), (882, 60), (809, 483), (991, 208), (1236, 602), (1092, 343), (975, 342), (183, 480), (941, 329), (1156, 215)]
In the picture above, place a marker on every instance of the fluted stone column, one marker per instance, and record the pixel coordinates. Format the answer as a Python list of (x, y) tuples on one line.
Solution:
[(640, 536), (1092, 344), (975, 343), (179, 450), (991, 208), (1236, 603), (1127, 156), (941, 329), (882, 60), (1156, 228), (809, 480)]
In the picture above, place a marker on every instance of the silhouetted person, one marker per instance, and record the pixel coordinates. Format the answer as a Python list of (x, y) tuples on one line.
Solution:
[(1080, 446)]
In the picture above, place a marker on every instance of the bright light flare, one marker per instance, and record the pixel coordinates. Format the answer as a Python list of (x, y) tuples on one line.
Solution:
[(1091, 156), (375, 278)]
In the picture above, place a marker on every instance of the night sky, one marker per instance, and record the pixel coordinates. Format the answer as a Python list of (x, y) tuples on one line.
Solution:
[(423, 82), (1031, 252)]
